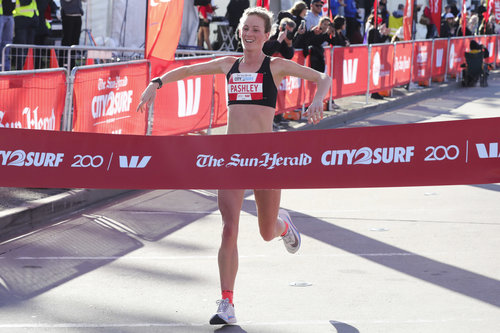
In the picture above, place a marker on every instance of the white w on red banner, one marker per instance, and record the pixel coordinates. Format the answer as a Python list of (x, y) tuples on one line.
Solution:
[(32, 100), (438, 153)]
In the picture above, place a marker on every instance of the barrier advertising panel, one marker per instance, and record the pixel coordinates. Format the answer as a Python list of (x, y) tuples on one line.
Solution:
[(106, 98), (32, 100), (402, 63), (350, 71), (439, 57), (381, 74), (422, 60), (456, 55), (291, 91), (184, 106)]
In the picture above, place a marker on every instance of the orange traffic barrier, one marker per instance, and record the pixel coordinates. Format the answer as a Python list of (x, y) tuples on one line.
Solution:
[(28, 62)]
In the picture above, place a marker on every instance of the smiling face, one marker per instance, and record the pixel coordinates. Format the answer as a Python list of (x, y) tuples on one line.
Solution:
[(253, 32)]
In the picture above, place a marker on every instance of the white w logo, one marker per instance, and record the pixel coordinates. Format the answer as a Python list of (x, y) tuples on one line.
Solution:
[(350, 71), (134, 162), (483, 153), (189, 106)]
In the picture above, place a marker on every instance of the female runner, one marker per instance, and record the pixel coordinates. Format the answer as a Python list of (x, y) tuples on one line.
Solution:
[(249, 113)]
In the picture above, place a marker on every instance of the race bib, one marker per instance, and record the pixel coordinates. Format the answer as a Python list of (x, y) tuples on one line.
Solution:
[(245, 87)]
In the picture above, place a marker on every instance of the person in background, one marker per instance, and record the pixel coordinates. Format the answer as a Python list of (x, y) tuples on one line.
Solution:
[(234, 11), (297, 13), (353, 26), (339, 39), (205, 13), (448, 26), (281, 41), (25, 25), (488, 28), (71, 14), (314, 14), (396, 20), (6, 29)]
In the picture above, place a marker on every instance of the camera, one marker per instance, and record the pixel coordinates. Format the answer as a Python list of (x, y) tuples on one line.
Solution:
[(289, 35)]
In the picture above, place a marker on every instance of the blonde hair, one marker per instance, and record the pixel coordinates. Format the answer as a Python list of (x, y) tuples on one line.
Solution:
[(261, 12)]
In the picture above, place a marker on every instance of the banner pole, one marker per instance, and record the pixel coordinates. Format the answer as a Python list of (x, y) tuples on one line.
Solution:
[(368, 80), (432, 62)]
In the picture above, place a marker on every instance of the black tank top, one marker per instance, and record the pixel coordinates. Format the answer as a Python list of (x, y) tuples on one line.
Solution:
[(252, 88)]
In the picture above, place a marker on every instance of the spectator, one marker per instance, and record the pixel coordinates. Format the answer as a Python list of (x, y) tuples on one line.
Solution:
[(473, 24), (398, 36), (71, 13), (488, 28), (353, 27), (25, 24), (312, 43), (339, 39), (205, 13), (337, 7), (396, 20), (383, 12), (234, 11), (297, 13), (6, 29), (399, 12), (448, 26), (427, 20), (454, 10), (43, 31), (314, 14), (281, 41), (378, 34), (480, 11), (459, 30)]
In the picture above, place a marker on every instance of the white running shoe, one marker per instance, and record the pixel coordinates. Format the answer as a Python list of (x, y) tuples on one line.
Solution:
[(225, 313), (292, 236)]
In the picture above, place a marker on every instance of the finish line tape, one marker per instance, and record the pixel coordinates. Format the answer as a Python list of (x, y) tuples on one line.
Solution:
[(440, 153)]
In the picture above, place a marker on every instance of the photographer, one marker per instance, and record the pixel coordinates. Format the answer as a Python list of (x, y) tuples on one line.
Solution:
[(312, 43), (281, 41)]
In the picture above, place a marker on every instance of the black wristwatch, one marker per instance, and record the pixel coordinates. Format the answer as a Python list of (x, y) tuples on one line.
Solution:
[(157, 80)]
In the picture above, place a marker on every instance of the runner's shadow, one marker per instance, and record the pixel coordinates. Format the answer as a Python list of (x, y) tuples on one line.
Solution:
[(230, 329), (444, 275), (343, 327)]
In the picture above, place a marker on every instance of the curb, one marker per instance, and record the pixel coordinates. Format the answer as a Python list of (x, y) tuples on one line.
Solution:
[(17, 221)]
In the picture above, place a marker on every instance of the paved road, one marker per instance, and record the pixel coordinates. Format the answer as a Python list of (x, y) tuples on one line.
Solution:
[(420, 259)]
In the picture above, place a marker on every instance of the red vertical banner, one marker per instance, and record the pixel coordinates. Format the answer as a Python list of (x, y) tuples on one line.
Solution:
[(408, 20), (106, 99), (456, 55), (436, 6), (263, 3), (498, 50), (184, 106), (464, 16), (496, 8), (422, 60), (375, 12), (439, 57), (402, 63), (381, 75), (163, 28), (350, 70), (32, 100)]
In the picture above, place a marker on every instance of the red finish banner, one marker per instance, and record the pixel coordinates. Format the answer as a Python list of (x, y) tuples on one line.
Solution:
[(422, 60), (381, 75), (106, 98), (489, 43), (436, 153), (456, 55), (350, 71), (32, 100), (439, 57), (436, 7), (402, 63), (184, 106)]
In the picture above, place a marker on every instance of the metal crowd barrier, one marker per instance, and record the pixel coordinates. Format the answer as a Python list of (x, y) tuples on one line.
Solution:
[(28, 57)]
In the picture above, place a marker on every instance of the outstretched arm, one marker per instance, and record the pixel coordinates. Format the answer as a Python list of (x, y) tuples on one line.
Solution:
[(284, 67), (216, 66)]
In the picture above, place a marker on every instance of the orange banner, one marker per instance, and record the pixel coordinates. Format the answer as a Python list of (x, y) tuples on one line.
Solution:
[(33, 100), (106, 99), (163, 28)]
